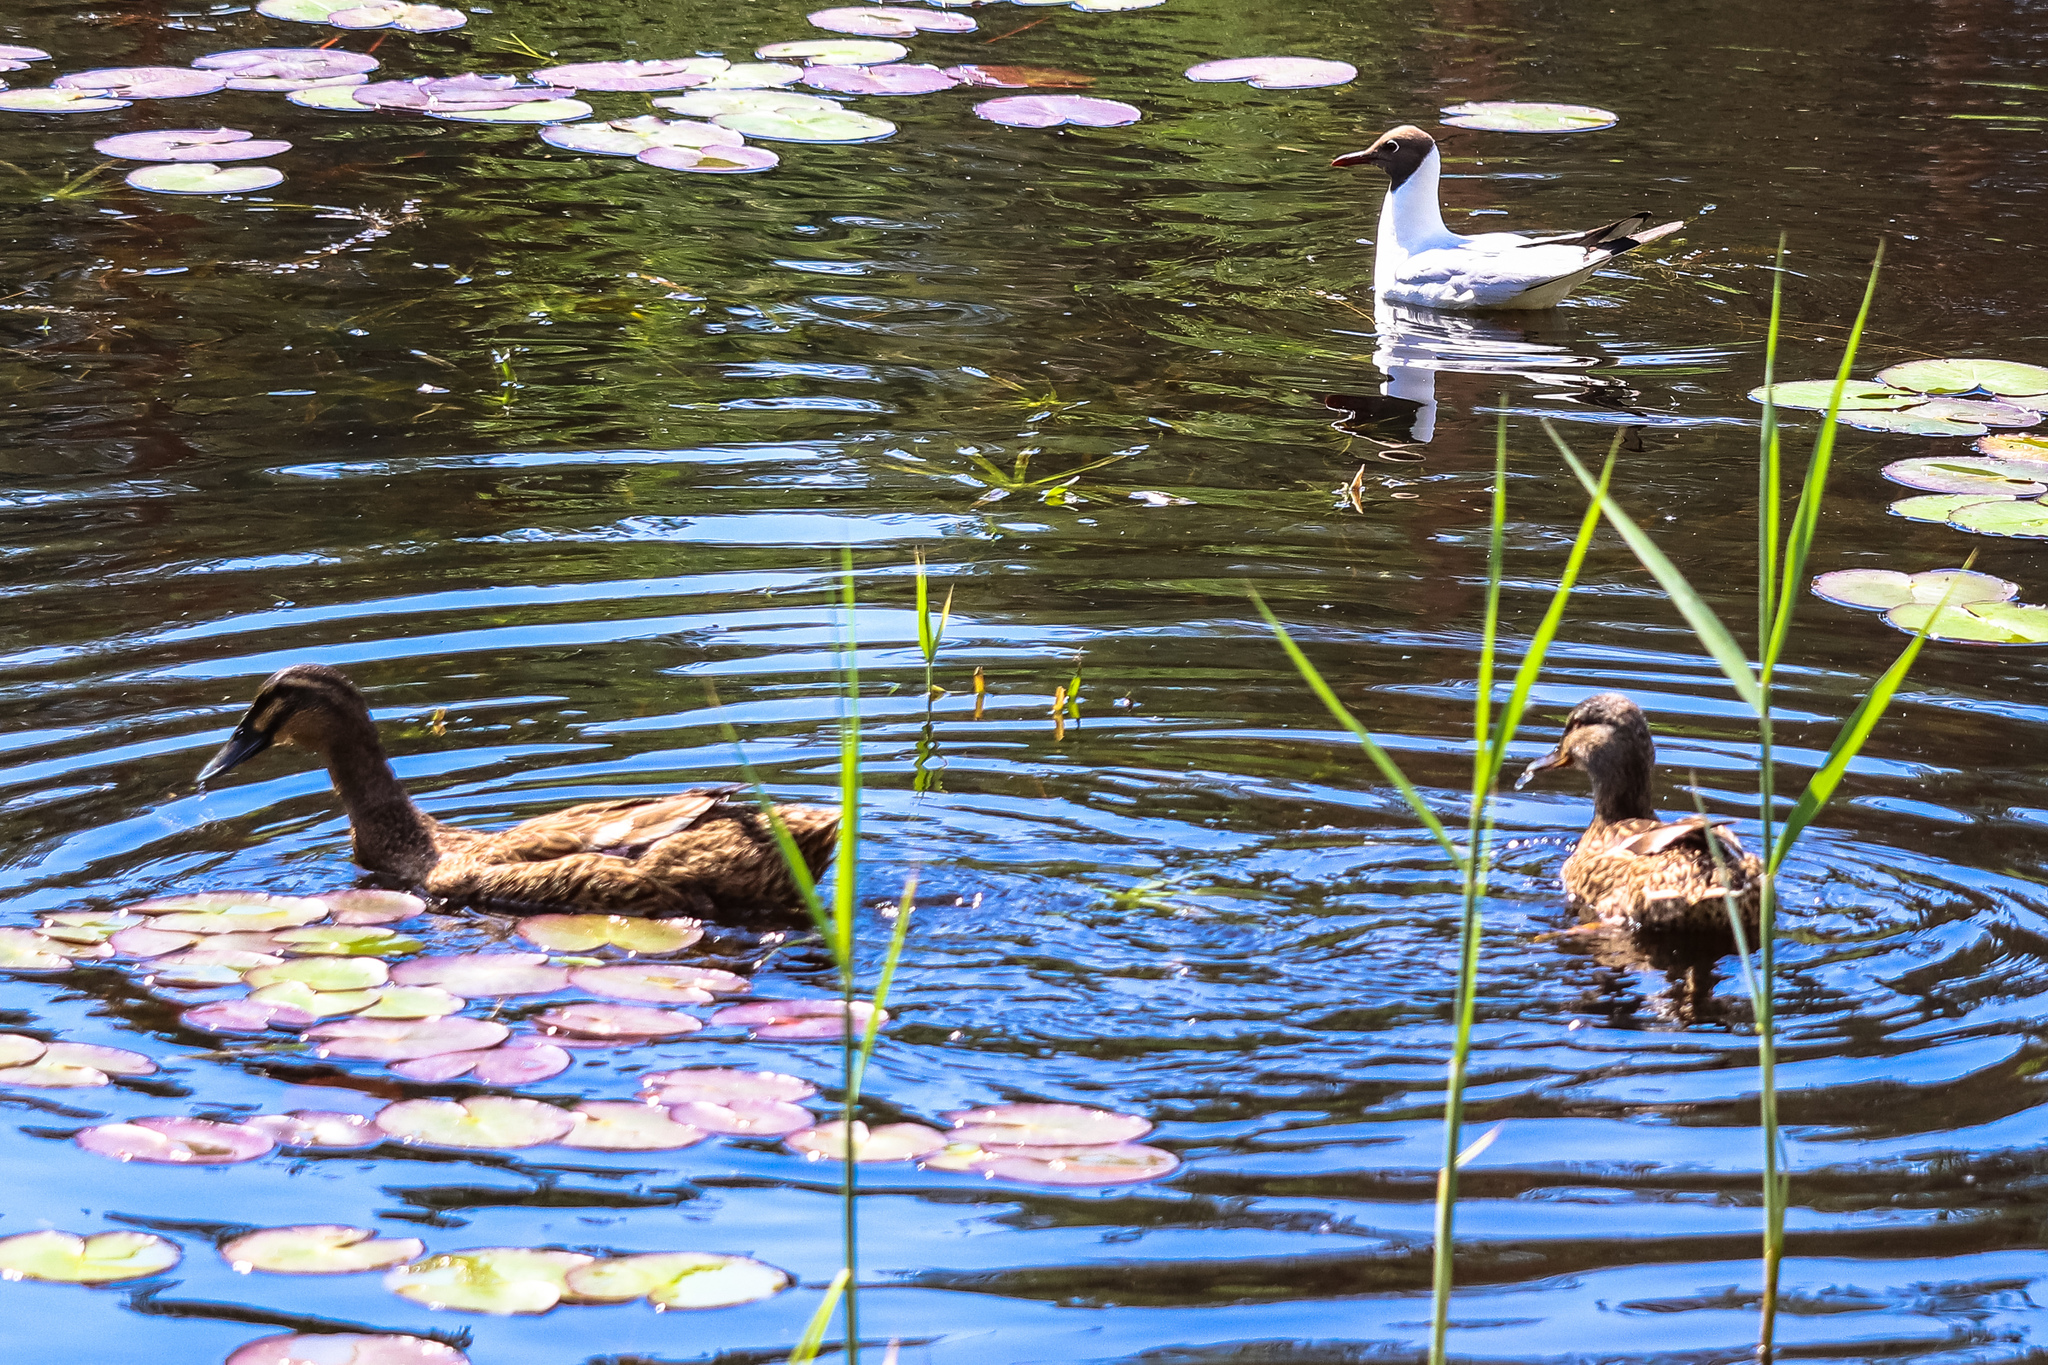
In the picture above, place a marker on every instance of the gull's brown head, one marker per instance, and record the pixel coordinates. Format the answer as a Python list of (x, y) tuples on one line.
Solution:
[(1400, 152), (310, 705)]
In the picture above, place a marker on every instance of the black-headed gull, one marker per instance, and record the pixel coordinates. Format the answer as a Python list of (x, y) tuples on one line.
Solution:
[(1419, 261)]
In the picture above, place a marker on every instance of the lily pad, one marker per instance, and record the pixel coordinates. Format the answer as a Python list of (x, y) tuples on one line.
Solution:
[(621, 1126), (617, 1022), (837, 124), (1276, 73), (102, 1258), (1019, 77), (203, 967), (144, 82), (520, 1061), (891, 78), (712, 103), (650, 76), (469, 91), (798, 1019), (1507, 116), (412, 1002), (887, 1142), (1943, 417), (177, 1142), (2032, 449), (86, 927), (499, 1280), (535, 111), (333, 99), (368, 907), (345, 940), (483, 1122), (399, 1040), (2004, 378), (318, 1249), (1989, 623), (742, 1117), (723, 1085), (1045, 1125), (285, 69), (483, 974), (1121, 1164), (144, 941), (315, 1004), (1100, 6), (663, 983), (1883, 589), (1050, 111), (347, 1348), (73, 1066), (1814, 395), (356, 14), (888, 21), (245, 1016), (678, 1279), (2025, 520), (190, 144), (836, 51), (320, 1129), (18, 1049), (581, 933), (38, 100), (1985, 474), (755, 76), (231, 905), (1938, 506), (711, 160), (25, 950), (13, 53), (324, 973)]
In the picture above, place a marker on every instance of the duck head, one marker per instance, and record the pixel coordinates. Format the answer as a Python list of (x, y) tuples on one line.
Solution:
[(1607, 738), (310, 705), (1400, 152)]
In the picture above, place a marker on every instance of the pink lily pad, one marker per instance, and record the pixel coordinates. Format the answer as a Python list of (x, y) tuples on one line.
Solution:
[(836, 51), (204, 967), (617, 1126), (660, 982), (144, 941), (75, 1066), (521, 1061), (288, 68), (723, 1085), (483, 1122), (888, 1142), (1019, 77), (797, 1020), (1276, 73), (483, 974), (369, 907), (464, 92), (144, 82), (1045, 1125), (318, 1249), (889, 21), (25, 950), (103, 1258), (399, 1040), (743, 1118), (177, 1142), (38, 100), (581, 933), (407, 19), (711, 160), (1125, 1163), (497, 1280), (245, 1016), (678, 74), (617, 1021), (1050, 111), (347, 1348), (677, 1279), (13, 53), (894, 78), (322, 1129), (297, 995), (412, 1002)]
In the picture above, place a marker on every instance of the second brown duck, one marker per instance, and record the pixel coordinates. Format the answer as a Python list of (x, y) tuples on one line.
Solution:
[(1632, 868), (693, 853)]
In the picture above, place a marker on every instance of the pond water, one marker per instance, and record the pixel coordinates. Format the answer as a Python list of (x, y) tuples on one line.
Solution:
[(541, 448)]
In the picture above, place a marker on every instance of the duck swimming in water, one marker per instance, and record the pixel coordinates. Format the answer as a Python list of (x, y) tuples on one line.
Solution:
[(692, 853), (1630, 867)]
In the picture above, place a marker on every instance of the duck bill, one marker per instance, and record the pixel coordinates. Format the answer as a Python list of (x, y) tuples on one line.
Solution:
[(1553, 759), (245, 743), (1364, 158)]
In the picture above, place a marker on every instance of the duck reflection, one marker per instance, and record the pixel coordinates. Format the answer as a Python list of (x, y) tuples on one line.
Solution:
[(1690, 966)]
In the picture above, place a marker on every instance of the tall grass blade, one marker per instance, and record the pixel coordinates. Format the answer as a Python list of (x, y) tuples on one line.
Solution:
[(881, 997), (813, 1340)]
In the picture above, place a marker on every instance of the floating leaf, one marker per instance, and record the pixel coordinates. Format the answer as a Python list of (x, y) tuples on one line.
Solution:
[(2005, 378), (798, 1019), (1858, 394), (24, 950), (18, 1049), (245, 1016), (412, 1002), (581, 933), (837, 51), (203, 967), (1938, 506), (12, 53), (324, 973), (329, 98), (1505, 116), (56, 101), (74, 1066), (536, 111), (521, 1061), (1943, 417), (2025, 520), (802, 125), (1990, 623), (321, 1129), (478, 974), (1276, 73), (617, 1021), (712, 103), (500, 1280), (144, 82), (469, 91), (485, 1121), (87, 926), (345, 940), (347, 1348), (314, 1004), (398, 1040), (888, 1142), (1883, 589), (372, 907), (677, 1279), (619, 1126), (288, 68), (723, 1085), (1049, 111), (893, 78), (147, 941), (1100, 6), (660, 982), (1019, 77), (1121, 1164), (365, 14), (643, 77), (711, 160), (1986, 474), (2031, 449), (754, 76), (1045, 1125), (318, 1249), (102, 1258), (177, 1142), (742, 1117), (888, 21)]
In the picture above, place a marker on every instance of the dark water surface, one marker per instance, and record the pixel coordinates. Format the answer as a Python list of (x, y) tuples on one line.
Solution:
[(552, 442)]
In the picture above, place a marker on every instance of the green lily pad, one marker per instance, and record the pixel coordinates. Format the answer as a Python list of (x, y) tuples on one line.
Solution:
[(2015, 446), (1883, 589), (710, 104), (298, 996), (324, 973), (57, 100), (318, 1249), (499, 1280), (412, 1002), (204, 177), (623, 1126), (2028, 622), (486, 1121), (754, 76), (1938, 506), (2007, 517), (533, 111), (2005, 378), (837, 51), (1506, 116), (580, 933), (346, 940), (24, 950), (87, 926), (1943, 417), (1986, 474), (801, 125), (102, 1258), (678, 1279), (1990, 623), (337, 99), (202, 967), (1857, 395)]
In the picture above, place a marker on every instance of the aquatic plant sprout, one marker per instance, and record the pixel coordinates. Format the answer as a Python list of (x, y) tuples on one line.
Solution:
[(1509, 116), (1050, 111), (1276, 73)]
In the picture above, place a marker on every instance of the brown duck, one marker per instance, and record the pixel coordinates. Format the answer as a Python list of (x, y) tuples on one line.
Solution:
[(688, 854), (1630, 867)]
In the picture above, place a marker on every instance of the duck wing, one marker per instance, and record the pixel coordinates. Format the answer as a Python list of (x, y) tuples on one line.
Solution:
[(1693, 829), (619, 829)]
